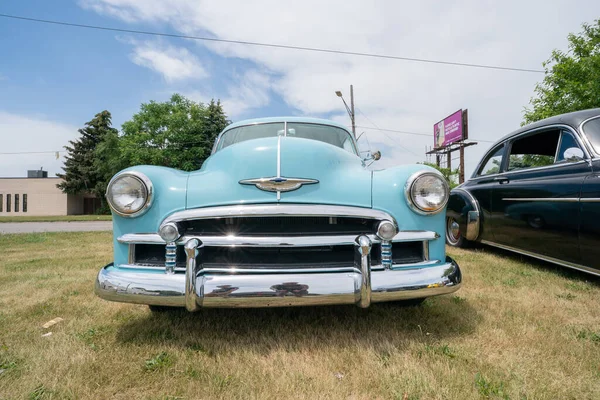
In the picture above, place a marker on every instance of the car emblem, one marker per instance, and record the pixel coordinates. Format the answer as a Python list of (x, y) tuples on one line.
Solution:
[(278, 183)]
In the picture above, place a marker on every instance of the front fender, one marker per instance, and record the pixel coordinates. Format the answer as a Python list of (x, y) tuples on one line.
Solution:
[(388, 196), (169, 196), (464, 208)]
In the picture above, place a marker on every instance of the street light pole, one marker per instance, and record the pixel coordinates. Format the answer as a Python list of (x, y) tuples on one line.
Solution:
[(350, 109)]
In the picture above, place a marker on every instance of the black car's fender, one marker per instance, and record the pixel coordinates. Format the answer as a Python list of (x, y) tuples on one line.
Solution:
[(464, 209)]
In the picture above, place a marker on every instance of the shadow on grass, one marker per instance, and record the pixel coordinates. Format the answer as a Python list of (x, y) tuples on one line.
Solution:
[(542, 266), (218, 331)]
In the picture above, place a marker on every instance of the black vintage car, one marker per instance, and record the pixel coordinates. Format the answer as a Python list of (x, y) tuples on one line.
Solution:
[(536, 192)]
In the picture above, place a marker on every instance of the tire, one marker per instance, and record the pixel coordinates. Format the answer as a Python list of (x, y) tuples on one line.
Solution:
[(453, 235)]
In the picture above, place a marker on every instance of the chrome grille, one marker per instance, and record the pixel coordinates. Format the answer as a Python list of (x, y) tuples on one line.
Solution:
[(282, 237), (280, 226)]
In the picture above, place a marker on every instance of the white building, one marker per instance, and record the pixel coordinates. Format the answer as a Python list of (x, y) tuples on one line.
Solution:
[(38, 195)]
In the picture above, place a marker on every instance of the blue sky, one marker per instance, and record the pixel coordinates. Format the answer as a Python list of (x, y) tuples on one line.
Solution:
[(53, 78)]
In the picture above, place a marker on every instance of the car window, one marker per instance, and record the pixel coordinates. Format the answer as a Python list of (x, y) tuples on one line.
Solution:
[(324, 133), (531, 151), (492, 163), (567, 141), (249, 132), (592, 131)]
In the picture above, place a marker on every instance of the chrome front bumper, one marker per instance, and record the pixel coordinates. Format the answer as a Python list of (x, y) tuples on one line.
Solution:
[(204, 287)]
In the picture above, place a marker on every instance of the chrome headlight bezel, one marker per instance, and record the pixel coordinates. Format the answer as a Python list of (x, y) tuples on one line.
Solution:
[(408, 192), (144, 180)]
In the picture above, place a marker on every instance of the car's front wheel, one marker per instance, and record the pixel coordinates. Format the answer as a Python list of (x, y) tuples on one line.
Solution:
[(453, 235)]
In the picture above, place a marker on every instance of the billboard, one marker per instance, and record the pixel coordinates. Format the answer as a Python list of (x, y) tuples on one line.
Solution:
[(449, 130)]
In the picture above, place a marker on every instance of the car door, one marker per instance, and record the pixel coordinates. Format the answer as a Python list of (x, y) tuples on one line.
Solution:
[(535, 203)]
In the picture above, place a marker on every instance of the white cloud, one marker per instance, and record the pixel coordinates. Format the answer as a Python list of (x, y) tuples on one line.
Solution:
[(245, 92), (398, 95), (35, 134), (173, 63)]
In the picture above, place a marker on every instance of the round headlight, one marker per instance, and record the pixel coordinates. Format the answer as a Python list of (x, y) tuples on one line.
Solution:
[(427, 192), (129, 194)]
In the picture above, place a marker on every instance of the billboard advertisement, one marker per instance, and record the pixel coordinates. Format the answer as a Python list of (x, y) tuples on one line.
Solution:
[(448, 130)]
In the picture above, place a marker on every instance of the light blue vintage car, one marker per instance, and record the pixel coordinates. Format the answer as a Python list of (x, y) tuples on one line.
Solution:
[(283, 213)]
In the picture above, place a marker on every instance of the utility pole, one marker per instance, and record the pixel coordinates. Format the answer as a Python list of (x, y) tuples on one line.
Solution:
[(350, 109)]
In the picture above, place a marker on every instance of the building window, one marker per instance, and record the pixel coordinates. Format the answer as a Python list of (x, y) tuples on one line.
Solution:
[(1, 202), (24, 202), (8, 203), (16, 203)]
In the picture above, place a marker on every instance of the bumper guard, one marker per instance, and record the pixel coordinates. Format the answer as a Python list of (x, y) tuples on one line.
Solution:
[(201, 287)]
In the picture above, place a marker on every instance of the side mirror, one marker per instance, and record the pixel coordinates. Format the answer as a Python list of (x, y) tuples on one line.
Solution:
[(573, 154), (371, 157)]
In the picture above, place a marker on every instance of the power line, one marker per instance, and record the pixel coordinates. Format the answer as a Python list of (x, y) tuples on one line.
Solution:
[(385, 133), (198, 143), (35, 152), (272, 45), (416, 133)]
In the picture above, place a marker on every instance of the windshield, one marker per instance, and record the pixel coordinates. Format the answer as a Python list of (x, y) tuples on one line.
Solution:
[(324, 133), (592, 131)]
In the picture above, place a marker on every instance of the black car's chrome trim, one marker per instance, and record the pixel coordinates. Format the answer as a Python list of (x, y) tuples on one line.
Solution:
[(548, 199), (274, 210), (473, 217), (277, 241), (553, 260), (555, 199), (515, 171), (584, 134)]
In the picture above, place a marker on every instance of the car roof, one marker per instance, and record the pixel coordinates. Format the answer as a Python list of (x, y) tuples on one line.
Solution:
[(286, 119), (573, 119)]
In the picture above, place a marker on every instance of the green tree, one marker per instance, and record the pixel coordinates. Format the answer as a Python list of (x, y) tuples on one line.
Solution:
[(178, 133), (81, 173), (572, 80), (450, 175)]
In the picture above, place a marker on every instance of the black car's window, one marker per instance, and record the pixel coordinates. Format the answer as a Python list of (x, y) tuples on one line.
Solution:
[(592, 131), (537, 150), (492, 163), (567, 141)]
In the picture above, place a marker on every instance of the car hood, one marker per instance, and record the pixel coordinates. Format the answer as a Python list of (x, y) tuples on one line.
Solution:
[(341, 177)]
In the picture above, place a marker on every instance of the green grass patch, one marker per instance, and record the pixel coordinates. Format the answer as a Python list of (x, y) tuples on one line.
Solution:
[(55, 218)]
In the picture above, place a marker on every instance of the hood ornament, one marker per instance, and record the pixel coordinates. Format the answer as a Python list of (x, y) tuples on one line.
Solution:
[(278, 183)]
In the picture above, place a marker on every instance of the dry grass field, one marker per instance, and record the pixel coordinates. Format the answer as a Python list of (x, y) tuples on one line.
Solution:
[(518, 329)]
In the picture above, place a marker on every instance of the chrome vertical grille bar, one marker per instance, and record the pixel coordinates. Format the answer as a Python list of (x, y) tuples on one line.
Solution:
[(193, 266), (363, 250), (171, 257), (426, 250), (386, 254), (131, 256)]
